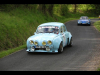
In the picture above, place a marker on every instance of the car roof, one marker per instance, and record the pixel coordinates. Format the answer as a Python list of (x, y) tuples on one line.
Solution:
[(83, 16), (52, 23)]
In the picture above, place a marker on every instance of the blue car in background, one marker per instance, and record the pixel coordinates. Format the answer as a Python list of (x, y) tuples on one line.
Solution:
[(49, 37), (84, 21)]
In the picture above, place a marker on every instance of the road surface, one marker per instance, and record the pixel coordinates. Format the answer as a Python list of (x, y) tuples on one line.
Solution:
[(84, 55)]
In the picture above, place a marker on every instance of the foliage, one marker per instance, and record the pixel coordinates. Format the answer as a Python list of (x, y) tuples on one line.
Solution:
[(64, 9), (97, 25)]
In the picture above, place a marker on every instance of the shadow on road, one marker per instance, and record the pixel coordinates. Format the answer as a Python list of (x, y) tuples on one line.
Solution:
[(84, 25), (47, 53)]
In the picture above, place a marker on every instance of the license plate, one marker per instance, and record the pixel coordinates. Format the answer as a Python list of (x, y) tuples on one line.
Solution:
[(40, 46)]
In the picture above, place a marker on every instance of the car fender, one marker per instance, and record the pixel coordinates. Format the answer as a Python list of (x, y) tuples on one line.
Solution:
[(27, 43), (70, 36), (89, 20), (56, 42), (77, 20)]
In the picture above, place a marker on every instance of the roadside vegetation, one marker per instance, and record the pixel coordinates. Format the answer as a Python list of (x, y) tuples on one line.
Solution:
[(19, 21), (97, 25)]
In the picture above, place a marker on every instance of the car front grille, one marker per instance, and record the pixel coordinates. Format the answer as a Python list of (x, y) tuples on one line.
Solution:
[(40, 48)]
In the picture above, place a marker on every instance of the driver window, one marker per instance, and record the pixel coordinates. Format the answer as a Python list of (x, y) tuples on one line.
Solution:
[(61, 29), (65, 28)]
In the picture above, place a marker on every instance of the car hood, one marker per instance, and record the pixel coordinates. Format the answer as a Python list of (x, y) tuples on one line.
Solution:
[(43, 36)]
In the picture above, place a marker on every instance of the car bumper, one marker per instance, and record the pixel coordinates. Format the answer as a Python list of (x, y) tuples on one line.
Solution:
[(50, 51), (83, 23)]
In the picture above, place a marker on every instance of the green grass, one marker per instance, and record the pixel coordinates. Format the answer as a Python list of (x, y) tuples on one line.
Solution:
[(20, 23), (97, 25), (10, 51), (98, 69)]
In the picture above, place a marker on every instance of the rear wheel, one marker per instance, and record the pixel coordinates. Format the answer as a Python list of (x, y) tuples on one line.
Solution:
[(60, 50), (71, 42)]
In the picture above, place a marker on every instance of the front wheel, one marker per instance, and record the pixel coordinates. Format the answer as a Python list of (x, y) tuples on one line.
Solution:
[(60, 50)]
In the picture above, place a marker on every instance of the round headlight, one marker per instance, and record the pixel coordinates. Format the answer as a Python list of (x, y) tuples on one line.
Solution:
[(31, 42), (35, 43), (43, 43), (49, 42)]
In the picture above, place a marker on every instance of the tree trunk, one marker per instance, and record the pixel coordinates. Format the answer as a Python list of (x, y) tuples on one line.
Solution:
[(42, 8), (50, 9), (75, 8)]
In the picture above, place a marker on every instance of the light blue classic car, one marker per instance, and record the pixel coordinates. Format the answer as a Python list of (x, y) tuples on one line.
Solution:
[(49, 37), (84, 20)]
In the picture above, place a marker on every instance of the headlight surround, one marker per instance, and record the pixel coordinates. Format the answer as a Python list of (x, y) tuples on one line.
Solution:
[(49, 42), (43, 43), (31, 42), (79, 21), (87, 21), (35, 43)]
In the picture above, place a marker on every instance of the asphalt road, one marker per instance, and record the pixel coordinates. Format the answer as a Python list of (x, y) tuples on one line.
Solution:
[(84, 55)]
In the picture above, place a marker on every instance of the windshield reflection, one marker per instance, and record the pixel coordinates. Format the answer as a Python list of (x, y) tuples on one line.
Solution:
[(48, 29)]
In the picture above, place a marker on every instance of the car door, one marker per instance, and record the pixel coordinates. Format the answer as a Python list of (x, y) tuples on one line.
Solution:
[(63, 35), (66, 35)]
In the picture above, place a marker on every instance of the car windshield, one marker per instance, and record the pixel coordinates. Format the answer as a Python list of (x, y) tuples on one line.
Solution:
[(84, 18), (48, 29)]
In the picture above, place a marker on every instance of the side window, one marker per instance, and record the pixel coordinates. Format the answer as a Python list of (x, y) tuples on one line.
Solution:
[(61, 29), (64, 28)]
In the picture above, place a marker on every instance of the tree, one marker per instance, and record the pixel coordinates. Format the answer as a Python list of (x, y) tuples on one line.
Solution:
[(50, 9), (96, 9), (75, 8), (42, 8), (63, 9)]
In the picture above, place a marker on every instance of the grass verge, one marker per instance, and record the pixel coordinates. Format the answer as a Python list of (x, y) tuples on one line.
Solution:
[(10, 51), (98, 69), (97, 25)]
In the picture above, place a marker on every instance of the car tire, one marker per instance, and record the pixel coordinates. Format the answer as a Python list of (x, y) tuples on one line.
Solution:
[(71, 42), (68, 42), (60, 50)]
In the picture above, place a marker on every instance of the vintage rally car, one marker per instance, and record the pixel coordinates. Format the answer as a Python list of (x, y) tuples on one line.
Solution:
[(49, 37), (84, 20)]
